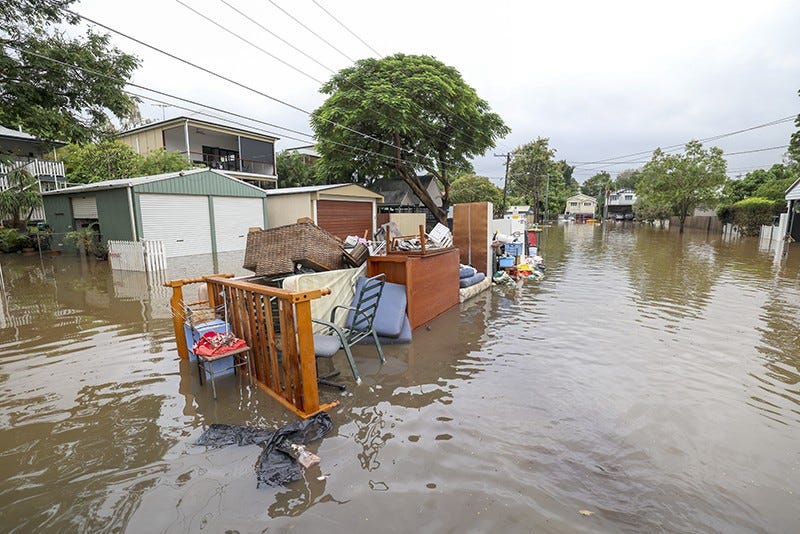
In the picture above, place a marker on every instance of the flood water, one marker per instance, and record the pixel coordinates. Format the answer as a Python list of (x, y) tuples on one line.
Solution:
[(651, 379)]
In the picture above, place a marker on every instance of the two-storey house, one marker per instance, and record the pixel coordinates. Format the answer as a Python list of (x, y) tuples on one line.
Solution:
[(237, 152), (21, 150)]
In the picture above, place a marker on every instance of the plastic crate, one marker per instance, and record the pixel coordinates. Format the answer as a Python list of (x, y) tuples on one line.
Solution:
[(506, 261), (513, 249), (217, 325)]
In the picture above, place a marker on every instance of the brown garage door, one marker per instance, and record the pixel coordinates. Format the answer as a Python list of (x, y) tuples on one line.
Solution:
[(343, 218)]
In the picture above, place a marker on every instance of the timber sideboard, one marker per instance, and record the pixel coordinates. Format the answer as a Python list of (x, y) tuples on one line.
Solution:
[(431, 281)]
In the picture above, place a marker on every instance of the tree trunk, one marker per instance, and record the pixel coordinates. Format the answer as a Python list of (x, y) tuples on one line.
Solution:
[(682, 220), (413, 181)]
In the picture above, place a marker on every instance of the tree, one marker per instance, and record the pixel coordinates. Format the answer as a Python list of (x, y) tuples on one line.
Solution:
[(294, 171), (598, 186), (682, 182), (20, 198), (794, 142), (111, 159), (471, 188), (406, 116), (628, 179), (531, 171), (559, 189), (59, 101)]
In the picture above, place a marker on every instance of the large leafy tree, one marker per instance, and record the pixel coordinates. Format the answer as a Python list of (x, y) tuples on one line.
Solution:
[(598, 186), (59, 101), (681, 182), (403, 115), (628, 179), (294, 170), (471, 188), (531, 172)]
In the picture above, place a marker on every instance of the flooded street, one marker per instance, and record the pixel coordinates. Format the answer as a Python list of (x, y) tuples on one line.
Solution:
[(651, 379)]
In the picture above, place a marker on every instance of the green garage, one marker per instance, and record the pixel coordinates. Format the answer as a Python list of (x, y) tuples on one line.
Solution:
[(198, 211)]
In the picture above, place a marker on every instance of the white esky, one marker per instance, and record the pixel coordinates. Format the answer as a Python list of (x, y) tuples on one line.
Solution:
[(600, 79)]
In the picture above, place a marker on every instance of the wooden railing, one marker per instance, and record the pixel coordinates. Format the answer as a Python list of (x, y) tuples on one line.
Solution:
[(276, 324)]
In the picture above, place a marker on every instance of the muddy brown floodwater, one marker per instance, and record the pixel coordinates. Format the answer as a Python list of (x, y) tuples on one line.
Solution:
[(650, 379)]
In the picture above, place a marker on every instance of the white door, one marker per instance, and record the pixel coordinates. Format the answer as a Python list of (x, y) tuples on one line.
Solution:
[(180, 221), (233, 217)]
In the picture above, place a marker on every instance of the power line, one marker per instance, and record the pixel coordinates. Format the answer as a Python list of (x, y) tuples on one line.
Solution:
[(439, 137), (704, 140), (298, 21), (346, 28), (168, 95), (220, 76), (765, 149)]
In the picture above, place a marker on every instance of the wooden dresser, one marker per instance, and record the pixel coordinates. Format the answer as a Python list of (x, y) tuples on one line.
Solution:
[(431, 281)]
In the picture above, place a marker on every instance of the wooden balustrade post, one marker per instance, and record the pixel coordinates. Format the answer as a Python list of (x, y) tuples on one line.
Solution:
[(178, 318), (308, 364)]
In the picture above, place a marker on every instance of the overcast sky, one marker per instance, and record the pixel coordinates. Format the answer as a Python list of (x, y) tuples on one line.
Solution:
[(600, 79)]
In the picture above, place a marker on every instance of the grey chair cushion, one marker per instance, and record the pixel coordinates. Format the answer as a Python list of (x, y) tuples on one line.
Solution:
[(326, 346), (391, 308)]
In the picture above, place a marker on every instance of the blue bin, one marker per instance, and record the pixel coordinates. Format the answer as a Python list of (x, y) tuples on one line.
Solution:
[(513, 249), (217, 325)]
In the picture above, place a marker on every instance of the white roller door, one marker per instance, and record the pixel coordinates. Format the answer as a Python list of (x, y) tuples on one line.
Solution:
[(84, 207), (232, 218), (180, 221)]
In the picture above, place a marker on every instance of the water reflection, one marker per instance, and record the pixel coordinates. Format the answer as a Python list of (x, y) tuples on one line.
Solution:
[(650, 378)]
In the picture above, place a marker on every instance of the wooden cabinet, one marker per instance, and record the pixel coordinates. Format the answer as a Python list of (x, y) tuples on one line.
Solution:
[(431, 281)]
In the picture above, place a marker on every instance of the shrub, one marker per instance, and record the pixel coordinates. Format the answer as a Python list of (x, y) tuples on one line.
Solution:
[(749, 214), (11, 240)]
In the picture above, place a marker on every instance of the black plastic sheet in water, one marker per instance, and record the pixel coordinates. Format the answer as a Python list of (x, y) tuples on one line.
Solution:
[(273, 467)]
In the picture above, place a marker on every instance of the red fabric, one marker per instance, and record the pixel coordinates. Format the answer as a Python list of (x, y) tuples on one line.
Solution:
[(217, 344)]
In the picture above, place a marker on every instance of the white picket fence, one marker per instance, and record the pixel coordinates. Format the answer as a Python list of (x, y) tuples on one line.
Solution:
[(772, 237), (140, 256)]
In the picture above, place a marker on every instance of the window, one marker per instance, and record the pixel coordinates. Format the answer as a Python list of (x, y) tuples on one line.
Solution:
[(587, 203), (220, 158), (628, 197), (613, 197), (573, 204)]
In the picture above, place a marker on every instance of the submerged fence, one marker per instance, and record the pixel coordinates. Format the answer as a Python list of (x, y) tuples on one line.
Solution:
[(145, 255), (276, 324)]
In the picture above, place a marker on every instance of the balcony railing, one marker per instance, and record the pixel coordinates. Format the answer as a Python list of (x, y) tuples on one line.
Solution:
[(37, 167), (232, 162)]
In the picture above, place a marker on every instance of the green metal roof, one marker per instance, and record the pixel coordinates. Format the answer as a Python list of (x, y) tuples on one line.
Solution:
[(190, 182)]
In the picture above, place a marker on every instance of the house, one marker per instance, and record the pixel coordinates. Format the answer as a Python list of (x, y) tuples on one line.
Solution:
[(309, 153), (21, 150), (341, 209), (399, 198), (793, 209), (240, 153), (620, 202), (580, 206), (198, 211)]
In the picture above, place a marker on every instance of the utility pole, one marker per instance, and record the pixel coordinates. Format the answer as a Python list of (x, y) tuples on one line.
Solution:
[(505, 182)]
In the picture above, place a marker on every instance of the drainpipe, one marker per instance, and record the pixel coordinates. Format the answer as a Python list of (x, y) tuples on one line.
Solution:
[(241, 165), (130, 213), (186, 136)]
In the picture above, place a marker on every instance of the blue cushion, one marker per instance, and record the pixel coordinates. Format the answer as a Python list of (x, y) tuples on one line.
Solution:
[(472, 280), (391, 308), (404, 337), (466, 271)]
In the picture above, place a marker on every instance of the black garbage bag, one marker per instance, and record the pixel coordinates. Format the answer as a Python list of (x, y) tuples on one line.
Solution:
[(275, 467), (220, 435)]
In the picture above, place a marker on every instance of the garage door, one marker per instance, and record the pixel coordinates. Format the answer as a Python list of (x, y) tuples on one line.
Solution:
[(181, 222), (233, 217), (344, 218)]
